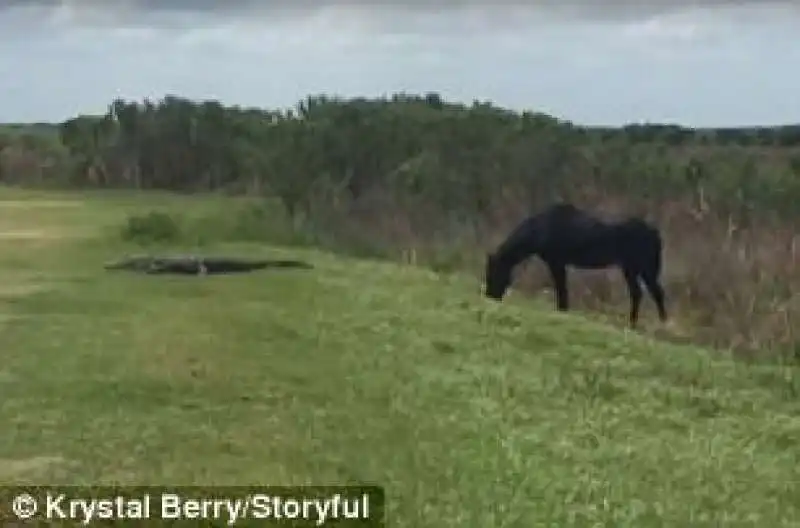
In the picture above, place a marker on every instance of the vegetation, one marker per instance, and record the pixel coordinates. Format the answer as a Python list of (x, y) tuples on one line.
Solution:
[(468, 412), (423, 180)]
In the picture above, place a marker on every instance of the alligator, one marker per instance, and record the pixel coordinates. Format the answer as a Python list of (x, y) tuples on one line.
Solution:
[(196, 265)]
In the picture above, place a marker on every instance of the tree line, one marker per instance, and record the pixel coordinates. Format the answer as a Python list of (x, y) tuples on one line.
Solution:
[(457, 157)]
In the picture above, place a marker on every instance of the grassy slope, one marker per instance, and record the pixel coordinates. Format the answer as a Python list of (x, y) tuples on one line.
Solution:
[(470, 413)]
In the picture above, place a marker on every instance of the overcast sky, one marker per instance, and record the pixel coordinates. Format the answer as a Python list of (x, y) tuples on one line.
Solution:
[(699, 63)]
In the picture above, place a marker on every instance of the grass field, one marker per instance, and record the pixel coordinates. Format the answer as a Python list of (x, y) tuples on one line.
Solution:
[(471, 414)]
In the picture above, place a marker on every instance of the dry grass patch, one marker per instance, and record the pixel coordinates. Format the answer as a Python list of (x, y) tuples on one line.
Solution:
[(25, 234), (30, 204), (21, 289), (28, 469), (28, 244)]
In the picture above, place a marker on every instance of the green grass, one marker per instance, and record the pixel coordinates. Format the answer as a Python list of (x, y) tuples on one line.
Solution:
[(471, 414)]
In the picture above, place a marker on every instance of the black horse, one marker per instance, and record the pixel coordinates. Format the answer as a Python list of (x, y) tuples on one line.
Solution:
[(563, 235)]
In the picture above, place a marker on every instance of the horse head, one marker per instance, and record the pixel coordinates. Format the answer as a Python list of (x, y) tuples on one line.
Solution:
[(497, 277)]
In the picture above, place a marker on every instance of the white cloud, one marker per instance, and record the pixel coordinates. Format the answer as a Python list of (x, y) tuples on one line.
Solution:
[(662, 28), (420, 14), (626, 63)]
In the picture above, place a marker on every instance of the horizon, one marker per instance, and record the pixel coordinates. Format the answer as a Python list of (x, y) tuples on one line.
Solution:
[(466, 104), (700, 66)]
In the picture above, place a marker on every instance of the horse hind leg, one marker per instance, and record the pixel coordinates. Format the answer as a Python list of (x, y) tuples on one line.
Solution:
[(650, 272), (635, 293), (657, 293)]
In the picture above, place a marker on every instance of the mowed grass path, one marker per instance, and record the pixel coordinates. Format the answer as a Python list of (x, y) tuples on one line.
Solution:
[(471, 414)]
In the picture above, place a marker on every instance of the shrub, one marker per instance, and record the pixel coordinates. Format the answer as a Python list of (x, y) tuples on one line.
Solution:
[(152, 228)]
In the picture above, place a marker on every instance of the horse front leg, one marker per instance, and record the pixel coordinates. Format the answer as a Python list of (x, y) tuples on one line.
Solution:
[(559, 274), (635, 293)]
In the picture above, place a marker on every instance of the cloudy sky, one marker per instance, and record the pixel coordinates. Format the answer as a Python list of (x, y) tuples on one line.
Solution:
[(700, 63)]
